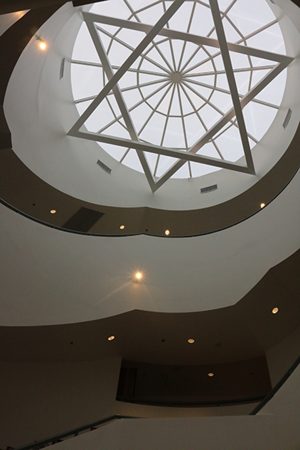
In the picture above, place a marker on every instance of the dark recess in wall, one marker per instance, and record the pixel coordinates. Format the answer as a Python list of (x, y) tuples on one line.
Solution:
[(228, 383), (83, 220)]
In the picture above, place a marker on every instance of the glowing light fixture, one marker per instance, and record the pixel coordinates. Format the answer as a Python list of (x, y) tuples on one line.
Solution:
[(122, 227), (167, 232), (210, 374), (262, 205), (138, 275), (275, 310), (111, 338), (52, 211), (191, 341), (42, 44)]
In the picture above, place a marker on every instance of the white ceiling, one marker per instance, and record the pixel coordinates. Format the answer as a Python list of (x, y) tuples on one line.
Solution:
[(40, 112), (49, 276)]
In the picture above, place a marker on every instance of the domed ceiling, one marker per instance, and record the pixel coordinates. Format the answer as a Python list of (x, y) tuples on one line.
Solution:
[(182, 91)]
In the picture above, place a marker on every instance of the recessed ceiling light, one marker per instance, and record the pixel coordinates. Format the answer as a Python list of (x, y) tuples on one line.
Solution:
[(262, 205), (42, 44), (191, 341), (167, 232), (122, 227), (52, 211), (138, 275), (275, 310), (210, 374), (111, 338)]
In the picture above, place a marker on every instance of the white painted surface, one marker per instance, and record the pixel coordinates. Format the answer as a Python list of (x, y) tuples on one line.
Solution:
[(49, 276), (276, 428), (7, 20), (40, 111), (41, 400)]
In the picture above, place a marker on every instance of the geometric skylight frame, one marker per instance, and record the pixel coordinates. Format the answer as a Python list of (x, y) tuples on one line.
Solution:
[(176, 81)]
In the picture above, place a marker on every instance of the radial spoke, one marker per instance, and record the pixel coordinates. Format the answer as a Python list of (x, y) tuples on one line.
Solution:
[(168, 116), (149, 83), (245, 43), (129, 18), (131, 69), (154, 110), (190, 169), (129, 88), (148, 6), (125, 154), (165, 128), (229, 7), (222, 72), (200, 118), (135, 106), (251, 75), (226, 91), (204, 99), (170, 42), (156, 165), (109, 104), (129, 47), (135, 15), (115, 115), (223, 14), (182, 118), (245, 38), (188, 30), (232, 122)]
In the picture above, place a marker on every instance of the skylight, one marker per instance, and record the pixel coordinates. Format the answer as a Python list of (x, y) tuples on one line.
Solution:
[(178, 89)]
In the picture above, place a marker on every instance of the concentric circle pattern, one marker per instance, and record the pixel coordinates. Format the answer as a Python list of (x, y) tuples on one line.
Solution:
[(177, 90)]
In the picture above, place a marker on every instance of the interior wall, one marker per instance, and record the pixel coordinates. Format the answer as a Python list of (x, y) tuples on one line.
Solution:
[(226, 433), (276, 428), (7, 20), (41, 400), (283, 355)]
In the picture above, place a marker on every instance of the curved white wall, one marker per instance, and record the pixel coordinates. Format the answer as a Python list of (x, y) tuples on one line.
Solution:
[(49, 276)]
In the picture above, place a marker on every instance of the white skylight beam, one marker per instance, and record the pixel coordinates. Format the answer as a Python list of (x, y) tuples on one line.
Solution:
[(170, 103), (232, 83)]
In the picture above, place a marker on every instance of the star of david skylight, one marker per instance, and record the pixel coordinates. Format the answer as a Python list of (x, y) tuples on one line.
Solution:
[(181, 88)]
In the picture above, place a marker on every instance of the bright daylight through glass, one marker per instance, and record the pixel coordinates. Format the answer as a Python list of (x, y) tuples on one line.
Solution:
[(178, 89)]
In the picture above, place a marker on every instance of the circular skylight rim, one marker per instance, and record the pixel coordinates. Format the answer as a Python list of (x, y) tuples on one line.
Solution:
[(237, 158)]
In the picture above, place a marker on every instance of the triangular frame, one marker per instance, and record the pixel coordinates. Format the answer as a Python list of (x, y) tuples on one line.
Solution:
[(112, 85)]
